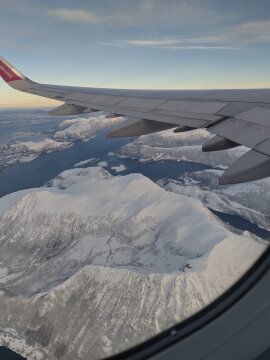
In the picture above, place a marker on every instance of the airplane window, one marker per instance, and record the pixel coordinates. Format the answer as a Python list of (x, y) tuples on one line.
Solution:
[(114, 224)]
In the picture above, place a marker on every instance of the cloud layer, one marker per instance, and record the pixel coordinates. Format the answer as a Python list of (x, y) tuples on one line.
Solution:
[(145, 12), (208, 27)]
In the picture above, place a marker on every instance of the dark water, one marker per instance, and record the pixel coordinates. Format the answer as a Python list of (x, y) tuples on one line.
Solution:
[(26, 125), (37, 172), (7, 354), (242, 224)]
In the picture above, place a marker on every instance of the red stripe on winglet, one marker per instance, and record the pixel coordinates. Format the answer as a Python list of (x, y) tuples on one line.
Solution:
[(7, 74)]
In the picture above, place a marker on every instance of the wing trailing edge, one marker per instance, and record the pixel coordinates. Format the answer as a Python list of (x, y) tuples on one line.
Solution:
[(251, 166)]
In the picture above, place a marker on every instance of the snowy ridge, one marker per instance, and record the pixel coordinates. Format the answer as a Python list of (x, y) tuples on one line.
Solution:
[(167, 145), (78, 128), (92, 160), (100, 311), (85, 128), (30, 150), (169, 139), (119, 168), (20, 344), (111, 260), (245, 200)]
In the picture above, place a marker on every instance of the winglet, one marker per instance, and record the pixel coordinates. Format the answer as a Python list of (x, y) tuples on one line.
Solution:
[(8, 72)]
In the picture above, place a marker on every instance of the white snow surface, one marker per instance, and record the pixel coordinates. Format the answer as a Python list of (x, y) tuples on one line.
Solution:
[(85, 128), (119, 168), (247, 200), (92, 160), (244, 200), (79, 128), (102, 163), (149, 229), (111, 261), (24, 151), (18, 343), (167, 145)]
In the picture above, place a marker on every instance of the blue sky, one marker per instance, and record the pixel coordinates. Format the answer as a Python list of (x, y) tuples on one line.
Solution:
[(172, 44)]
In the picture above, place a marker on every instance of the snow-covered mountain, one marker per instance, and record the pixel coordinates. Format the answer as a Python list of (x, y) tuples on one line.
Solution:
[(85, 128), (244, 200), (166, 145), (247, 200), (77, 128), (24, 151), (96, 263)]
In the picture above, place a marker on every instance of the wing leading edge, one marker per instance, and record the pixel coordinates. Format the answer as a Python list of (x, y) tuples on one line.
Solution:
[(236, 117)]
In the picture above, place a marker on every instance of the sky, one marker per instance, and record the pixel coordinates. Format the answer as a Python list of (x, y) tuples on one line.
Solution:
[(147, 44)]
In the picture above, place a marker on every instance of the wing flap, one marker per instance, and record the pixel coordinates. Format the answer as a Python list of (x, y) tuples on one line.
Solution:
[(263, 147), (251, 166), (241, 132), (256, 115)]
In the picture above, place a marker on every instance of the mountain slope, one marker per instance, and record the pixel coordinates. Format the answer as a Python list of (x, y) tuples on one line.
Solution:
[(96, 263)]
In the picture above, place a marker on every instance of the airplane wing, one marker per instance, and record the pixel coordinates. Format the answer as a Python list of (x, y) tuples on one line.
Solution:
[(236, 117)]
